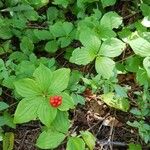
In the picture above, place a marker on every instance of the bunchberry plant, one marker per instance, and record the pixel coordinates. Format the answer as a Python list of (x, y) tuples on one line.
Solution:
[(98, 47), (44, 98)]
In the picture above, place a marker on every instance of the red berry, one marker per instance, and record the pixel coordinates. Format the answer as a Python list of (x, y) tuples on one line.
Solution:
[(55, 101)]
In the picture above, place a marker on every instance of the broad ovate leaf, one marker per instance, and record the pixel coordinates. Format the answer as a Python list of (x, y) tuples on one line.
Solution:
[(57, 29), (140, 46), (82, 56), (43, 34), (112, 47), (105, 32), (27, 88), (89, 139), (43, 77), (86, 54), (105, 66), (116, 102), (50, 139), (60, 80), (146, 64), (51, 46), (46, 113), (67, 102), (61, 122), (75, 143), (90, 41), (27, 109), (111, 20)]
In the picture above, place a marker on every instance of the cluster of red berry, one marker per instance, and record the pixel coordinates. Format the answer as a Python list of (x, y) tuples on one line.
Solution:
[(55, 101)]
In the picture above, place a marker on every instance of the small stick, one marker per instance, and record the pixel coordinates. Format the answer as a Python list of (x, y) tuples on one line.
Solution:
[(114, 143)]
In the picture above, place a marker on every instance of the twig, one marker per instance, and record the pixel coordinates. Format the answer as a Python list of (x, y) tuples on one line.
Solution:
[(110, 137), (125, 58), (36, 27), (102, 123), (131, 15), (114, 143), (22, 141)]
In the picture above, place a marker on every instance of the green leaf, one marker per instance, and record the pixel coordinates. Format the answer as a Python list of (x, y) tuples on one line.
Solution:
[(22, 7), (120, 91), (38, 3), (78, 99), (133, 63), (46, 113), (26, 45), (111, 20), (91, 41), (146, 64), (60, 80), (145, 9), (82, 56), (31, 15), (133, 146), (27, 88), (112, 47), (49, 139), (61, 122), (116, 102), (105, 32), (60, 29), (7, 119), (64, 3), (57, 29), (52, 13), (5, 32), (105, 66), (75, 143), (43, 77), (8, 141), (89, 139), (3, 106), (140, 47), (67, 102), (106, 3), (27, 109), (43, 34), (51, 46), (141, 77), (64, 41), (67, 27), (25, 68)]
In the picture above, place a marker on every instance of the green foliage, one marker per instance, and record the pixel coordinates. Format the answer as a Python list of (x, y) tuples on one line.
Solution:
[(143, 128), (95, 41), (75, 143), (116, 102), (133, 146), (37, 92), (50, 139), (8, 142), (89, 139)]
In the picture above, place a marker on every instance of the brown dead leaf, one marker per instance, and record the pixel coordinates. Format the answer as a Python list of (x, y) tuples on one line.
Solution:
[(111, 121)]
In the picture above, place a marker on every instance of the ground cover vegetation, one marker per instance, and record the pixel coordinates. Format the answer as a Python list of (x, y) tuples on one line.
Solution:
[(75, 74)]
